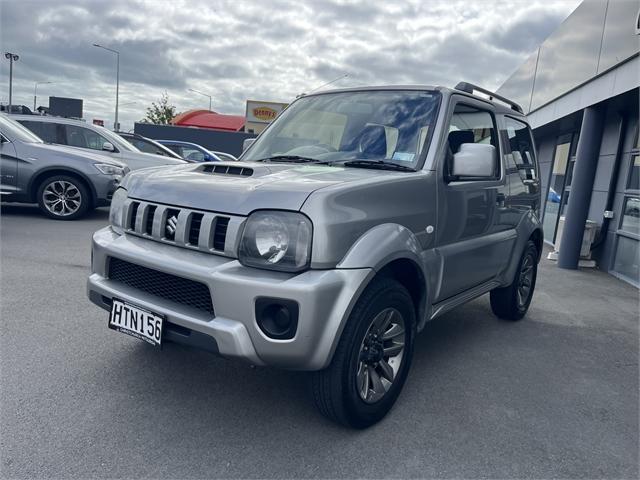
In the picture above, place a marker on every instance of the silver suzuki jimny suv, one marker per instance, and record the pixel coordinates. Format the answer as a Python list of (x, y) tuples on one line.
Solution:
[(356, 217)]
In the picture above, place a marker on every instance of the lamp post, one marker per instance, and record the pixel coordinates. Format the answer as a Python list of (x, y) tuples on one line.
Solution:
[(35, 93), (116, 126), (12, 57), (201, 93)]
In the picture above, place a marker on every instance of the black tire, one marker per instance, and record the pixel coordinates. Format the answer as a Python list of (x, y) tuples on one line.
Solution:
[(76, 189), (334, 389), (509, 303)]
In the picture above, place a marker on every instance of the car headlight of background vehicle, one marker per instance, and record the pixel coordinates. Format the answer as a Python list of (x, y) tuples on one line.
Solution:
[(276, 240), (117, 209), (109, 169)]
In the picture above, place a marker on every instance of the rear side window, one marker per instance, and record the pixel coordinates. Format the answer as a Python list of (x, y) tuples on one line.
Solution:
[(34, 127), (47, 131), (521, 155), (50, 132)]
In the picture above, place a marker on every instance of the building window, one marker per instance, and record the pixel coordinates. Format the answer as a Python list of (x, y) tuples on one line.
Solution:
[(631, 215), (626, 260)]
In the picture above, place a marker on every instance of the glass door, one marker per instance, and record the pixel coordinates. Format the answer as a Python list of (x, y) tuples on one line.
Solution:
[(559, 184)]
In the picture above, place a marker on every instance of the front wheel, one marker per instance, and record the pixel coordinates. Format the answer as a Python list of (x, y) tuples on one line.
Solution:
[(63, 197), (372, 360), (512, 301)]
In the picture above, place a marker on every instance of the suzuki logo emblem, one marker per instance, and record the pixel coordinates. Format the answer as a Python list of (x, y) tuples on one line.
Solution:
[(172, 224)]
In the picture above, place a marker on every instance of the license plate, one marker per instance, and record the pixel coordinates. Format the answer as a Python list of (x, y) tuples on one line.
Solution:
[(137, 322)]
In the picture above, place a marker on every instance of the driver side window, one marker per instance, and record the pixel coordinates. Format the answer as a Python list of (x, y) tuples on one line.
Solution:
[(83, 137), (470, 125)]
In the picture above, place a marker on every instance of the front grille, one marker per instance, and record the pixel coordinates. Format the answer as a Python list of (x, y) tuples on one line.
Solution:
[(183, 227), (148, 229), (162, 285), (134, 215), (194, 228), (220, 233)]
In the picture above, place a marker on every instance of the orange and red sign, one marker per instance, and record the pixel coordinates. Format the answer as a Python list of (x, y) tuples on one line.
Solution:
[(264, 113)]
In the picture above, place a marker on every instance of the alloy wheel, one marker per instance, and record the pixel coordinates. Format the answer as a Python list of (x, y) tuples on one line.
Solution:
[(62, 198), (525, 280), (380, 355)]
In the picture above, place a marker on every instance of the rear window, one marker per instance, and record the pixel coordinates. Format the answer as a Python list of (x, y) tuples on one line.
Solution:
[(47, 131), (521, 155)]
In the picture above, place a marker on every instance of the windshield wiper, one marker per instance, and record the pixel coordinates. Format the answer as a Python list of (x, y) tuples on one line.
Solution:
[(289, 159), (381, 164)]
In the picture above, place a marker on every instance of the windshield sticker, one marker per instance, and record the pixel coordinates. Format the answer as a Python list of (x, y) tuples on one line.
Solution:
[(403, 156)]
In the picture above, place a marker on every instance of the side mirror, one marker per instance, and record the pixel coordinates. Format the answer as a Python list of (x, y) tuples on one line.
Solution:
[(247, 143), (475, 160), (108, 147)]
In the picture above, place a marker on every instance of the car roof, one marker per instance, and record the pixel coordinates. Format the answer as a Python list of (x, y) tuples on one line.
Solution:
[(499, 107), (180, 142), (50, 118)]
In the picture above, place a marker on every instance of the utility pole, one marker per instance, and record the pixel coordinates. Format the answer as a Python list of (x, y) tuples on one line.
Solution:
[(35, 93), (12, 57), (204, 94), (116, 125)]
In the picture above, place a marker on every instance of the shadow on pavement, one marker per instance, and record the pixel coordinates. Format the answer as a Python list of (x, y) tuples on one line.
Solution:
[(32, 210)]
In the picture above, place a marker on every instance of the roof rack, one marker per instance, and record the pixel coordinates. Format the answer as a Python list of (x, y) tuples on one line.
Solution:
[(470, 88)]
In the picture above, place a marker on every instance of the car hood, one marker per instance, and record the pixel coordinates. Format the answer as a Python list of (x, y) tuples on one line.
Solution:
[(47, 150), (239, 187)]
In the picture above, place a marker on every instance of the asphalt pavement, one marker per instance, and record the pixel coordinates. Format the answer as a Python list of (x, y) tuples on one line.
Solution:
[(552, 396)]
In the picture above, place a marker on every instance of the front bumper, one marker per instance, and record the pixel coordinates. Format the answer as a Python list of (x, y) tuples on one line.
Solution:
[(325, 299), (104, 186)]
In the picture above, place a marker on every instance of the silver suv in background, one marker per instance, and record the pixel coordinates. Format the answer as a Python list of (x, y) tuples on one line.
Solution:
[(65, 182), (99, 140), (355, 218)]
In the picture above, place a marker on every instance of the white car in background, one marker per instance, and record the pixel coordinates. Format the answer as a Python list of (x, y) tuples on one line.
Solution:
[(79, 134)]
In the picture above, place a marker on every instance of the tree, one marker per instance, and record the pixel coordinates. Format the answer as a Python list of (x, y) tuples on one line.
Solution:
[(160, 113)]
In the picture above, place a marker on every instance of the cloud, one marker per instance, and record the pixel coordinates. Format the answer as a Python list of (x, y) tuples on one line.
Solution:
[(274, 50)]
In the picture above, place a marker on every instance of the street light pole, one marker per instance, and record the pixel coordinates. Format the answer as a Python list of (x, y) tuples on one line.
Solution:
[(35, 93), (116, 125), (12, 57), (201, 93)]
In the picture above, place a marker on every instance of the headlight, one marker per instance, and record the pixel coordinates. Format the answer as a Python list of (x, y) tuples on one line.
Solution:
[(277, 241), (117, 210), (109, 169)]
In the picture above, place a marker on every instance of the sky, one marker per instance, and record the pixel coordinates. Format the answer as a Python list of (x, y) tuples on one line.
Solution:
[(264, 50)]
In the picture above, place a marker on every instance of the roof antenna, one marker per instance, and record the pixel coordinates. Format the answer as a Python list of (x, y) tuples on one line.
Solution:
[(325, 84)]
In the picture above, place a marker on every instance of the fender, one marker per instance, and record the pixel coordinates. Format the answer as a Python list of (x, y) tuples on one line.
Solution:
[(62, 169), (381, 245), (527, 226)]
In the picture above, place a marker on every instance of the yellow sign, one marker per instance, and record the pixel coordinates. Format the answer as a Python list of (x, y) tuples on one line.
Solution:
[(264, 113)]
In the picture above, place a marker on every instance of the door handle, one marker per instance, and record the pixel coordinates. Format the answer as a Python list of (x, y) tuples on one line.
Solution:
[(501, 199)]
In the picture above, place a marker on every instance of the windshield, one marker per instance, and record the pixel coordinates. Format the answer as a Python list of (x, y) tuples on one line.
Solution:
[(14, 131), (382, 125)]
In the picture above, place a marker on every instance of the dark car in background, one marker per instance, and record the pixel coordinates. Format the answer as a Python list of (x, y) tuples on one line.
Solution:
[(191, 152), (65, 182), (147, 145)]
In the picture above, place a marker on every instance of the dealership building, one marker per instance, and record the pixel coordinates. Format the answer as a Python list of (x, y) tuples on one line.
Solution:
[(580, 90)]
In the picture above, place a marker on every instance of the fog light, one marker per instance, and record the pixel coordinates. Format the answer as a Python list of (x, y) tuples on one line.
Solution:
[(277, 318)]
